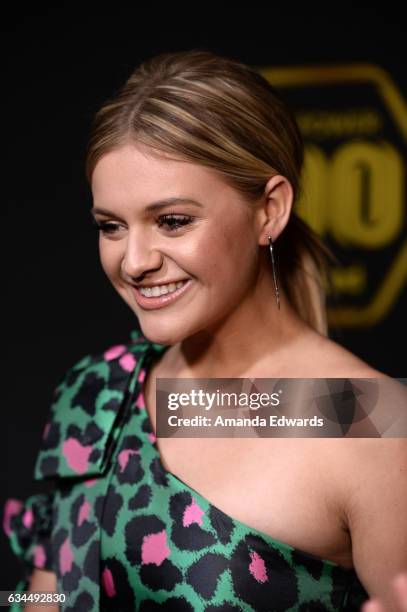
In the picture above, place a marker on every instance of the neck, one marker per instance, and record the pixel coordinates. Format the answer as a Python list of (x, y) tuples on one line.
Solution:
[(256, 337)]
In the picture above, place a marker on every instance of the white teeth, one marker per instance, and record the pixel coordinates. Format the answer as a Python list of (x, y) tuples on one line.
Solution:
[(161, 289)]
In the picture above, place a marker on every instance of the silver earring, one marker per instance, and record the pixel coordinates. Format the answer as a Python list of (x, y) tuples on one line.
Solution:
[(274, 272)]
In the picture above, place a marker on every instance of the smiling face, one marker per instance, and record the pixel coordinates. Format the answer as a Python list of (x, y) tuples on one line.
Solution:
[(213, 242)]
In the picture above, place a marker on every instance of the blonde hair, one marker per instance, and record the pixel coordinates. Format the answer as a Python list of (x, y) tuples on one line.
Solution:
[(222, 114)]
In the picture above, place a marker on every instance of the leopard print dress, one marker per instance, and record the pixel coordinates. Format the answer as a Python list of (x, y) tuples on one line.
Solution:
[(122, 533)]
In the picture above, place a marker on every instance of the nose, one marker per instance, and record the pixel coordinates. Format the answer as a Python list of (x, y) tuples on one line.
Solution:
[(140, 257)]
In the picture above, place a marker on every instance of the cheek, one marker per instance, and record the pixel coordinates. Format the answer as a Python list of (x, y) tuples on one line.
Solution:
[(202, 256), (224, 260), (232, 252), (109, 258)]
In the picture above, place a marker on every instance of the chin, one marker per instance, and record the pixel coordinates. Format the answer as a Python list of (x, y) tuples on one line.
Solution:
[(172, 330), (167, 337)]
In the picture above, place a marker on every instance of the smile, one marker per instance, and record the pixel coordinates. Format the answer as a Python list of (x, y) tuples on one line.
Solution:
[(150, 298)]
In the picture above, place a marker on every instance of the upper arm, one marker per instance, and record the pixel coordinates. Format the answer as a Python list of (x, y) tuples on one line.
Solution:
[(377, 513), (42, 580)]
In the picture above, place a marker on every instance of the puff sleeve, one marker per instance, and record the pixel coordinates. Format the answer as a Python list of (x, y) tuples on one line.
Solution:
[(28, 526), (84, 422)]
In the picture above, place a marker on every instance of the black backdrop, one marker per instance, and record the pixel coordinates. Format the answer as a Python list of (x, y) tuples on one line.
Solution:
[(61, 64)]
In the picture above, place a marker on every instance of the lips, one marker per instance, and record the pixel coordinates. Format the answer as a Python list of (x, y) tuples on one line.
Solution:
[(155, 302)]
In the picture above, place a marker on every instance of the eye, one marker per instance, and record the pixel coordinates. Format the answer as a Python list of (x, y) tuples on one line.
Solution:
[(105, 226), (174, 222)]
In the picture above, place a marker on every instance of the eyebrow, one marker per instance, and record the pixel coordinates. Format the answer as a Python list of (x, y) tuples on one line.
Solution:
[(154, 205)]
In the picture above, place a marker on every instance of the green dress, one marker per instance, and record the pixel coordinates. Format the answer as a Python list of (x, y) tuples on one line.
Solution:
[(122, 533)]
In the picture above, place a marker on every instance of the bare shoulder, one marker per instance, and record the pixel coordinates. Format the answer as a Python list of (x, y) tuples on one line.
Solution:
[(348, 457)]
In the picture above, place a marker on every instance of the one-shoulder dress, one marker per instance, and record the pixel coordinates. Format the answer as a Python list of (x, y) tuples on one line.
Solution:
[(122, 533)]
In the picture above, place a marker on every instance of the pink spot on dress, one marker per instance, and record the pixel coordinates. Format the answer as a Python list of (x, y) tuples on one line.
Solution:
[(108, 582), (128, 362), (114, 351), (124, 456), (83, 514), (192, 514), (65, 557), (257, 567), (154, 548), (39, 556), (76, 455), (11, 507), (28, 518)]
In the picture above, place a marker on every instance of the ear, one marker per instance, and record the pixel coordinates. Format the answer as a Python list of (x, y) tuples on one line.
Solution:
[(275, 209)]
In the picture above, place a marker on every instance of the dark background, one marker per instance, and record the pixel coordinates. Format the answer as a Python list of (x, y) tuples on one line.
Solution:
[(62, 63)]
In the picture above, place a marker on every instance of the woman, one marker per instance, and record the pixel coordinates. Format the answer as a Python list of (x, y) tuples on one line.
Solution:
[(194, 167)]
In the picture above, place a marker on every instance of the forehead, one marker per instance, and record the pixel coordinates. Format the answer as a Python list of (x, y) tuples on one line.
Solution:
[(135, 174)]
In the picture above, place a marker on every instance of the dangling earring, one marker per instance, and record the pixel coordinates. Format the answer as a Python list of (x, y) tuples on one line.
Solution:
[(274, 273)]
